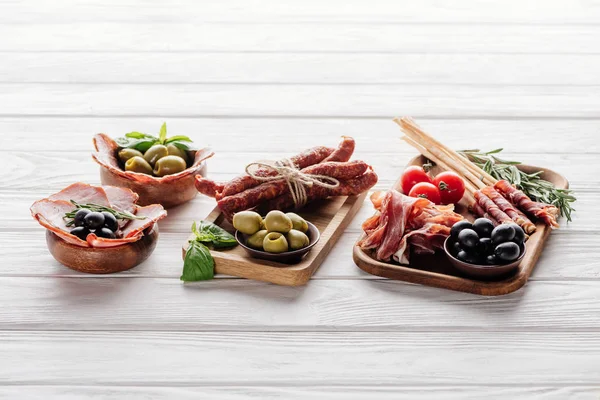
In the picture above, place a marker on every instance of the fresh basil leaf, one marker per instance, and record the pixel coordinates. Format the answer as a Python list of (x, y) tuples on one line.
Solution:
[(184, 145), (198, 264), (220, 238), (180, 138), (163, 133), (140, 135)]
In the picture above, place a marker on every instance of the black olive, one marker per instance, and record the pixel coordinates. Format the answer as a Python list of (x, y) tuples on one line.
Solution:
[(455, 248), (79, 215), (459, 226), (467, 257), (81, 232), (105, 233), (484, 247), (468, 239), (491, 260), (94, 220), (483, 227), (462, 255), (507, 252), (519, 234), (503, 233), (110, 221)]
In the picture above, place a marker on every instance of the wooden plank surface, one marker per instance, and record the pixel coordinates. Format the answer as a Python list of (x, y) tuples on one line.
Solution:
[(272, 78)]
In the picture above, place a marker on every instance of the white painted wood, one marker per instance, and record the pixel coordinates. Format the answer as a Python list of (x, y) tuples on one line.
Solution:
[(298, 100), (261, 11), (262, 391), (395, 37), (498, 357), (159, 304), (311, 68)]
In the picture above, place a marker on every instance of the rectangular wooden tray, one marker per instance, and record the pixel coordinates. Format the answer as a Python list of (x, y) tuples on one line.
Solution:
[(436, 270), (330, 216)]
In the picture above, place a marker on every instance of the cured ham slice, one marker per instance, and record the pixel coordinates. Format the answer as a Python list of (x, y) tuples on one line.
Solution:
[(480, 212), (106, 156), (504, 205), (50, 213), (491, 208), (403, 223), (545, 212)]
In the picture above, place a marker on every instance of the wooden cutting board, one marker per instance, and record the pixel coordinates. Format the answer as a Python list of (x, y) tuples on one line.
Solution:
[(330, 216), (436, 270)]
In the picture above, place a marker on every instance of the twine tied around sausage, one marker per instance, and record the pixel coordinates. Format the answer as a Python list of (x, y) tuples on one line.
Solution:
[(296, 180)]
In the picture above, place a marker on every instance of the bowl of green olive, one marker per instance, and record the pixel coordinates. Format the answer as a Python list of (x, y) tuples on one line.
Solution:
[(160, 170), (280, 237)]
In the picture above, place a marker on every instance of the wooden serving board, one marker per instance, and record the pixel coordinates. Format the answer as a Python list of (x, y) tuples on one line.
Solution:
[(330, 216), (436, 270)]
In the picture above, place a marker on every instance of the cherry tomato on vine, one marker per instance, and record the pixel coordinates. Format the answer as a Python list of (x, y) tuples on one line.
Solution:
[(411, 176), (426, 190), (451, 186)]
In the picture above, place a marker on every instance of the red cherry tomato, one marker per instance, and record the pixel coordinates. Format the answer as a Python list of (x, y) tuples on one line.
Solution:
[(412, 176), (426, 190), (451, 187)]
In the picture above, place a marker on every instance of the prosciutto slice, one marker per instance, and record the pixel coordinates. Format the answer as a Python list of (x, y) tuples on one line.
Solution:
[(49, 213), (402, 223), (545, 212), (491, 208), (504, 205)]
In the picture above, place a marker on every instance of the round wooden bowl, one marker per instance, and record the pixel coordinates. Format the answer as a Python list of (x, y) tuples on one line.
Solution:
[(103, 260), (167, 193)]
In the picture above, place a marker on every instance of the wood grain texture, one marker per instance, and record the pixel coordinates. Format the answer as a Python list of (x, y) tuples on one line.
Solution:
[(289, 100), (331, 391), (499, 358)]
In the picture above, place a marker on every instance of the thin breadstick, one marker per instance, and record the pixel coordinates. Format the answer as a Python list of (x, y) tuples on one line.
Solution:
[(455, 164), (470, 189), (413, 128)]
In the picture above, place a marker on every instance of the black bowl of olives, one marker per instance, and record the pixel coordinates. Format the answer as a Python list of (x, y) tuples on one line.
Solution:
[(481, 250)]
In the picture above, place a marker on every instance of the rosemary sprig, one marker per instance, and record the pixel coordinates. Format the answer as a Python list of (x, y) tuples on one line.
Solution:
[(531, 184), (98, 208)]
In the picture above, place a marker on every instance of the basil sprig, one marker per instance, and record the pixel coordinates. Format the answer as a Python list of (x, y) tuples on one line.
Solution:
[(143, 141), (199, 264)]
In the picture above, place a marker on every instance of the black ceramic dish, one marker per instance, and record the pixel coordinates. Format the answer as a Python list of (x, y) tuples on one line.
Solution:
[(288, 257)]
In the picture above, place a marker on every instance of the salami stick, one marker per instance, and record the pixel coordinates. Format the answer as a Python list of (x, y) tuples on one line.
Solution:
[(269, 190), (344, 150), (302, 160), (350, 187), (208, 187)]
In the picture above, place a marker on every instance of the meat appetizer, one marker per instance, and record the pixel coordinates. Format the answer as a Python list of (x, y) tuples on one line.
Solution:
[(404, 223), (95, 216), (316, 173), (160, 169)]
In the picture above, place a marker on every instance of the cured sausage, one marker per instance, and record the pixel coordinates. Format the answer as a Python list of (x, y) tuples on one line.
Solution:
[(491, 208), (302, 160), (344, 150), (350, 187), (208, 187), (269, 190), (545, 212), (504, 205)]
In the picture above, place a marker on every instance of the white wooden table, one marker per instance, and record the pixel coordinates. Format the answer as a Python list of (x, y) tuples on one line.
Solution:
[(258, 79)]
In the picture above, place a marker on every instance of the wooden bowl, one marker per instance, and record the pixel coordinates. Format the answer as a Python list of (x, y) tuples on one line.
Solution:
[(106, 260), (289, 257), (168, 194), (483, 271)]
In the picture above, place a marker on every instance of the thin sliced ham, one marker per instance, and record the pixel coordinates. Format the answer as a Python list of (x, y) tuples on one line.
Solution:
[(50, 213), (545, 212)]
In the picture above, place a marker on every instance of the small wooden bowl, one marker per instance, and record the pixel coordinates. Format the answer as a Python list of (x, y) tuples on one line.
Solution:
[(289, 257), (103, 260), (483, 271), (168, 194)]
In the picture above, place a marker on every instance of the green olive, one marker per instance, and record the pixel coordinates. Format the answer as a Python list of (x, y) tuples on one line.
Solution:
[(126, 154), (297, 239), (298, 222), (247, 222), (275, 242), (169, 165), (256, 240), (138, 164), (176, 151), (276, 221), (155, 153)]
